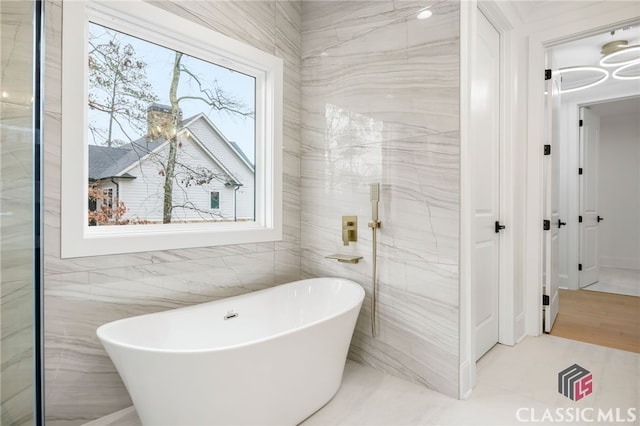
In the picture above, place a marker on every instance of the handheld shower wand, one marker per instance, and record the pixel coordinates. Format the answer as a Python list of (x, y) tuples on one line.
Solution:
[(374, 191), (374, 194)]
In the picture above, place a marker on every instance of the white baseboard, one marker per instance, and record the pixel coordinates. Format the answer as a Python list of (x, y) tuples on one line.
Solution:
[(467, 380), (619, 262)]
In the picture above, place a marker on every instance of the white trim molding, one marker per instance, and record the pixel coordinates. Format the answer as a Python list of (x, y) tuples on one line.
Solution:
[(508, 175), (148, 22)]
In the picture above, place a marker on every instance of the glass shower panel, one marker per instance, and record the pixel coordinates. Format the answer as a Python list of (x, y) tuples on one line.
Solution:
[(18, 174)]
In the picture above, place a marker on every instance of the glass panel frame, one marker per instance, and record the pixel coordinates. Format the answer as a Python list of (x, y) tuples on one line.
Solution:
[(21, 213)]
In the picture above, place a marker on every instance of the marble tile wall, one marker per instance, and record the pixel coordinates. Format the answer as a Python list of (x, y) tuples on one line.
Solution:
[(380, 98), (17, 389), (83, 293)]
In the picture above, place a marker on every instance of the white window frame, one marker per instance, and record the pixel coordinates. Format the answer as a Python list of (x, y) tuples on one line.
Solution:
[(151, 23)]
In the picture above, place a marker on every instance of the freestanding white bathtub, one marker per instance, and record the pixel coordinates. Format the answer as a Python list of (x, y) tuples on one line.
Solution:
[(271, 357)]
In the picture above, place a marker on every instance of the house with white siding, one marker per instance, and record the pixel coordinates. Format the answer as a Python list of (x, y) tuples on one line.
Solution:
[(214, 179)]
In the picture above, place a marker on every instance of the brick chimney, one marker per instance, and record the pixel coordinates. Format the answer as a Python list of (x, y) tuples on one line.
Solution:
[(159, 119)]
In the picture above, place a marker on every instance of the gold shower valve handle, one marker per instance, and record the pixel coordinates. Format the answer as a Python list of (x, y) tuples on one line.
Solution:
[(349, 229)]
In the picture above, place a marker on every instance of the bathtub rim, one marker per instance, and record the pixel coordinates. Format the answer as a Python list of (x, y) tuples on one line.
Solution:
[(104, 340)]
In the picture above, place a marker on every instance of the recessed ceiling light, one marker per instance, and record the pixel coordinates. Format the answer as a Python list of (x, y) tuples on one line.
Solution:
[(424, 13)]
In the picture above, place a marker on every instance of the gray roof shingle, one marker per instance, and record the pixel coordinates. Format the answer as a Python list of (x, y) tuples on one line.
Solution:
[(106, 162)]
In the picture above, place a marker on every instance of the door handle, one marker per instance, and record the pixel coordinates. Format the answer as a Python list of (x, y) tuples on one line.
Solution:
[(599, 219), (499, 227), (561, 223)]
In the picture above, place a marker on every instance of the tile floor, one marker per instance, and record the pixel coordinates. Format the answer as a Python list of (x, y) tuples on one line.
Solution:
[(618, 280), (510, 380)]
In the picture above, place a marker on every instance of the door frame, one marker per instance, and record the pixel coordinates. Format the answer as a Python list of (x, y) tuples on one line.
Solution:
[(571, 191), (508, 93), (539, 42)]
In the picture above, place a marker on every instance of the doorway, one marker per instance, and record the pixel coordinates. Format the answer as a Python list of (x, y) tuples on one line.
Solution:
[(617, 161), (592, 178), (547, 29)]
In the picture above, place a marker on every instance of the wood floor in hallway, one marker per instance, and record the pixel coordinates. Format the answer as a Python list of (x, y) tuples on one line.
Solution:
[(604, 319)]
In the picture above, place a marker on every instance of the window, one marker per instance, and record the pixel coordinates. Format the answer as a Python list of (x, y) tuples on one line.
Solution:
[(107, 201), (215, 200), (169, 113)]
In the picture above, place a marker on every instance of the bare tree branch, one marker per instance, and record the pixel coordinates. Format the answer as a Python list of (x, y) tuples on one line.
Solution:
[(217, 98)]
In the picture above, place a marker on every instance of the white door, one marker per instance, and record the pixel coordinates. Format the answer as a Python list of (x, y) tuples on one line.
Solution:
[(485, 150), (589, 143), (552, 168)]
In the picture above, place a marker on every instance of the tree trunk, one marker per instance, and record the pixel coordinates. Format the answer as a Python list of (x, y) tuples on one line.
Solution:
[(172, 135), (112, 112)]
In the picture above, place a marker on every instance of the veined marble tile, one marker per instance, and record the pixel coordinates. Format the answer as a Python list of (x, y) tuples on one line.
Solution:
[(258, 18), (287, 266), (17, 409), (354, 20), (380, 96)]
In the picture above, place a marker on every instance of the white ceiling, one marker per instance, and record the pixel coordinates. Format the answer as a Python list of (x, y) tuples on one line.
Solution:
[(533, 11)]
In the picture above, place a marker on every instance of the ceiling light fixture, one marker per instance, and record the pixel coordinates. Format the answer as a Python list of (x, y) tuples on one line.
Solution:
[(613, 46), (606, 59), (424, 13), (616, 73), (567, 70)]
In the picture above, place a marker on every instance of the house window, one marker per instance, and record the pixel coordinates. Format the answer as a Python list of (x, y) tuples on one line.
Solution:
[(107, 198), (169, 109), (215, 200)]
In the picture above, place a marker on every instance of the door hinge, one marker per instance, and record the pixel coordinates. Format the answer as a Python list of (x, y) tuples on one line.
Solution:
[(545, 300), (579, 266), (547, 150), (581, 123), (546, 225), (579, 170), (547, 74), (580, 219)]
